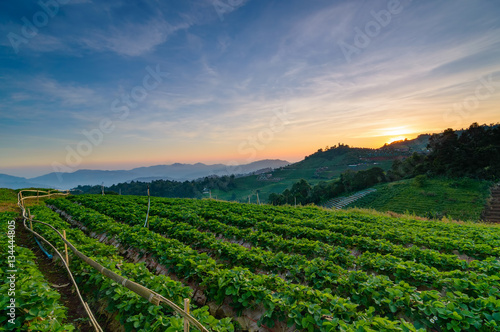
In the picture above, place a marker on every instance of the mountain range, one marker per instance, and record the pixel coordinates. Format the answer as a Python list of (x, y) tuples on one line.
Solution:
[(177, 172)]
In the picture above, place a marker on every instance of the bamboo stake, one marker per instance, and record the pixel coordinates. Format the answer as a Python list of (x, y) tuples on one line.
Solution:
[(65, 247), (186, 309)]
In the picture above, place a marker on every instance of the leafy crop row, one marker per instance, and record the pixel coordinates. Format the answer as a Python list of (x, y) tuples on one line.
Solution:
[(314, 230), (298, 305), (375, 242), (474, 283), (291, 228), (133, 312), (400, 299), (37, 305), (391, 300)]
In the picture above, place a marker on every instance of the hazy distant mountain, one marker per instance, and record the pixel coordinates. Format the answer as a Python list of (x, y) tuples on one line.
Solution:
[(15, 182), (178, 172)]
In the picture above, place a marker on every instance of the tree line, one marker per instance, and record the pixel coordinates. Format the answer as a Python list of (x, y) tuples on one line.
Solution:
[(473, 152), (164, 188)]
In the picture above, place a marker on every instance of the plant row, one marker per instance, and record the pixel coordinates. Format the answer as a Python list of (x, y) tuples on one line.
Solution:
[(481, 282), (281, 301), (477, 233), (395, 234), (391, 300), (290, 228), (133, 312), (36, 306)]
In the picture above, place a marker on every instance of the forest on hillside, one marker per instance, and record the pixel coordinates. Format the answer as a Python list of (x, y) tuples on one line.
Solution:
[(473, 152), (164, 188)]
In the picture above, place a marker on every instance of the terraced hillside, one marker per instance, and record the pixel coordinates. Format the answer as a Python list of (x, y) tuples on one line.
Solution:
[(492, 213), (306, 269), (459, 199)]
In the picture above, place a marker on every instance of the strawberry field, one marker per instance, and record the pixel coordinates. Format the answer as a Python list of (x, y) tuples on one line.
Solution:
[(251, 267)]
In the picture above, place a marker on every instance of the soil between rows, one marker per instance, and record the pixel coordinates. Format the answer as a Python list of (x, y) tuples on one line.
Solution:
[(56, 275)]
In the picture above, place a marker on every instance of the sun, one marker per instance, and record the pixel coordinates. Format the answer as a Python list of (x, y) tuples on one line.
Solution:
[(394, 134), (395, 131), (395, 139)]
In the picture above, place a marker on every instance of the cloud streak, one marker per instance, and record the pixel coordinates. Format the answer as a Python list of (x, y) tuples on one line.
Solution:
[(227, 77)]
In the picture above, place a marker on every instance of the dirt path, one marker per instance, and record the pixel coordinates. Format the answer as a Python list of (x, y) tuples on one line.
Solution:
[(492, 214), (56, 275)]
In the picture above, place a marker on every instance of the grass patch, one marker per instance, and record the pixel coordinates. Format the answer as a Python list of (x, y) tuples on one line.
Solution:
[(459, 199), (8, 200)]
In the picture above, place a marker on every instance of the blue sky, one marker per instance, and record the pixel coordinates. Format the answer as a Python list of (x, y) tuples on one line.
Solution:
[(120, 84)]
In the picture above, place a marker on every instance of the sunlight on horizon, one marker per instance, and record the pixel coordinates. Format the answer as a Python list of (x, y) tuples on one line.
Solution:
[(395, 139)]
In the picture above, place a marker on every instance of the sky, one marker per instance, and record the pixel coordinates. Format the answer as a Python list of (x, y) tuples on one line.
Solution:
[(120, 84)]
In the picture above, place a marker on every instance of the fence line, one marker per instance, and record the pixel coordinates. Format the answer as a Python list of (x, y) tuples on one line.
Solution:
[(149, 295)]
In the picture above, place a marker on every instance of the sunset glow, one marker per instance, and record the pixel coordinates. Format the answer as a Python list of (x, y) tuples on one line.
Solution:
[(395, 139), (397, 131), (121, 84)]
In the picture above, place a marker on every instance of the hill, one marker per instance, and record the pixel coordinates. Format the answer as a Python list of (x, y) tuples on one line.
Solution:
[(459, 199), (16, 182), (177, 172), (324, 165)]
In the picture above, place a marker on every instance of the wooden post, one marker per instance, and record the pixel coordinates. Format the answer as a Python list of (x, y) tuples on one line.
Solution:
[(37, 198), (258, 201), (186, 310), (65, 247)]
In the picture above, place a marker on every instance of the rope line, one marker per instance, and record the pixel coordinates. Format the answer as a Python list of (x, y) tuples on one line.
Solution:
[(25, 218), (149, 295)]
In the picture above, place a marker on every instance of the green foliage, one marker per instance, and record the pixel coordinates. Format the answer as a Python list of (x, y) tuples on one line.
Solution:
[(302, 193), (37, 305), (133, 312), (244, 287), (420, 181), (312, 246), (8, 200), (459, 199), (474, 152), (164, 188)]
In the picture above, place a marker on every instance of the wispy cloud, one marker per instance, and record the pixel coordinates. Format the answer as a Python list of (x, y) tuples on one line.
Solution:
[(131, 39), (228, 77)]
